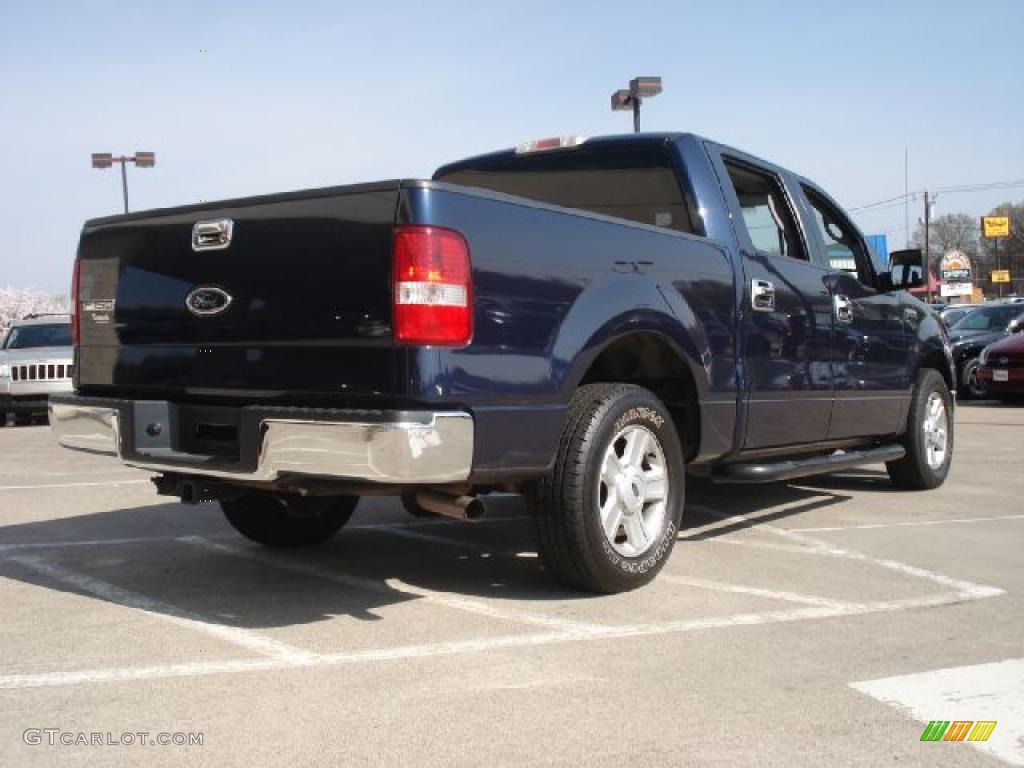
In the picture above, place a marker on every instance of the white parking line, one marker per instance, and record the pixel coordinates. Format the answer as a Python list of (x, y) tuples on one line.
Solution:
[(30, 545), (819, 547), (448, 541), (283, 656), (44, 486), (478, 645), (442, 522), (982, 692), (957, 521), (390, 586), (740, 589), (165, 611)]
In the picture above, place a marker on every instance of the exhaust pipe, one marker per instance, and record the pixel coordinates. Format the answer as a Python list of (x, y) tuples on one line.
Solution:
[(457, 507)]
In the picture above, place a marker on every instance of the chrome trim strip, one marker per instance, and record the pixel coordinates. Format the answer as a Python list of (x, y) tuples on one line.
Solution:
[(436, 450)]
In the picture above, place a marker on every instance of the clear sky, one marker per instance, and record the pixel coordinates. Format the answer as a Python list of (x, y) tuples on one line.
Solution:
[(240, 98)]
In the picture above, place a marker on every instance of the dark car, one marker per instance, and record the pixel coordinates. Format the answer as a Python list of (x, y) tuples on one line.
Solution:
[(951, 314), (975, 331), (1001, 368)]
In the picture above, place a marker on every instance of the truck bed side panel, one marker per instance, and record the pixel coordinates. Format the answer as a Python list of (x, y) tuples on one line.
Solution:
[(552, 288)]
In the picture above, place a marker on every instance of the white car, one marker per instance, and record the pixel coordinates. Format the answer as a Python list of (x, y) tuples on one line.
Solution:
[(36, 361)]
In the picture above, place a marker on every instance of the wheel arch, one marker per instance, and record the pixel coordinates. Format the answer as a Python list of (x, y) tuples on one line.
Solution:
[(649, 359)]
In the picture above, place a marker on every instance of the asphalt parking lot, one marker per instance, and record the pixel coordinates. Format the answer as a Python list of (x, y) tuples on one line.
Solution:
[(818, 622)]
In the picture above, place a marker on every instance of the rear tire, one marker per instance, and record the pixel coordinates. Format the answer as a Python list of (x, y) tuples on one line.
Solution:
[(607, 516), (929, 438), (288, 520)]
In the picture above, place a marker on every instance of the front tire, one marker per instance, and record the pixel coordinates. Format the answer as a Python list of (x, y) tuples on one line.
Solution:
[(971, 385), (929, 437), (288, 520), (607, 516)]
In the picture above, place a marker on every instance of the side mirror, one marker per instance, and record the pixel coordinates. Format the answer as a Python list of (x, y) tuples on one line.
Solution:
[(1016, 325), (907, 269)]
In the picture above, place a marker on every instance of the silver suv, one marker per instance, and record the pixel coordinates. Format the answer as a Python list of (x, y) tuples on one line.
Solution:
[(36, 359)]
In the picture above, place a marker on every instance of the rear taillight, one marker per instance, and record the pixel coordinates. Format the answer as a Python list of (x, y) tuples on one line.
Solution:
[(75, 327), (432, 284)]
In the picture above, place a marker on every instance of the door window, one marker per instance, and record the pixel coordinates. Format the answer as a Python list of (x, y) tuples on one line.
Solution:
[(844, 248), (766, 214)]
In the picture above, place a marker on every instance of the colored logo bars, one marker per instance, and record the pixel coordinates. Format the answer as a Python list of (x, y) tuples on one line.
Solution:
[(958, 730)]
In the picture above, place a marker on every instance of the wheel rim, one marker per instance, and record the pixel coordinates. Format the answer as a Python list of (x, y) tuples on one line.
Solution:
[(973, 385), (936, 430), (633, 491)]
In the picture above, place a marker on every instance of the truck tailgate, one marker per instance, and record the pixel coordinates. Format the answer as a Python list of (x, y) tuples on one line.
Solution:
[(306, 281)]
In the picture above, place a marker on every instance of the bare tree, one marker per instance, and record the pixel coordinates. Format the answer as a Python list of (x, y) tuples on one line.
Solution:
[(15, 303)]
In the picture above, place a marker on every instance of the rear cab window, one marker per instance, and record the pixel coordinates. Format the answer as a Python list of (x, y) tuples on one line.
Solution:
[(637, 183), (767, 218)]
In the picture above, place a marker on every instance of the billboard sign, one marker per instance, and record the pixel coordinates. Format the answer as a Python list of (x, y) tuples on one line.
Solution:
[(995, 226)]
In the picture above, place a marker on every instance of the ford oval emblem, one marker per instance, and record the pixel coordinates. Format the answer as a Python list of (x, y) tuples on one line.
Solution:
[(208, 300)]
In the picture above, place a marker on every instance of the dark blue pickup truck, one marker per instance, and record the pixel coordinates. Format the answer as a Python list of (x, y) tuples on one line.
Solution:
[(580, 321)]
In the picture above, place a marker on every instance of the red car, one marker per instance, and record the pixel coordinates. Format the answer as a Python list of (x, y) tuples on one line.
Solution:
[(1001, 368)]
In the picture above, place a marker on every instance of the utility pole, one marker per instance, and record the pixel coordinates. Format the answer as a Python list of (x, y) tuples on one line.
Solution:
[(927, 250), (906, 198), (995, 248)]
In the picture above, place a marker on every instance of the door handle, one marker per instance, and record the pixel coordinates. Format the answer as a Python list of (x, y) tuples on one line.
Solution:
[(762, 295), (844, 309)]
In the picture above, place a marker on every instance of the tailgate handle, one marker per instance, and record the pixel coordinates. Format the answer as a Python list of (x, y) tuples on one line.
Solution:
[(212, 235)]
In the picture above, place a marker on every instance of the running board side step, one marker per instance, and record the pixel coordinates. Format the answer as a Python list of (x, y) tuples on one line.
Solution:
[(790, 469)]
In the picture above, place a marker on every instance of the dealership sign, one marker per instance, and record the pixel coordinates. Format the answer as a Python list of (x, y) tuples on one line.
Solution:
[(955, 267), (956, 289)]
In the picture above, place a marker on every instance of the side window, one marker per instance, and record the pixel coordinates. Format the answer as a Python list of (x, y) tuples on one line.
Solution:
[(766, 213), (844, 248)]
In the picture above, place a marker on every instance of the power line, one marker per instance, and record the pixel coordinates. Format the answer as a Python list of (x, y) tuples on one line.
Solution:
[(983, 187), (900, 199), (886, 207)]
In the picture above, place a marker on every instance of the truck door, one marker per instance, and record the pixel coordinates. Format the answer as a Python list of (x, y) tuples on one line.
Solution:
[(870, 346), (786, 313)]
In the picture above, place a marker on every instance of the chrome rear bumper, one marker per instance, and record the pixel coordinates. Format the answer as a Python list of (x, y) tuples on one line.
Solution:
[(382, 447)]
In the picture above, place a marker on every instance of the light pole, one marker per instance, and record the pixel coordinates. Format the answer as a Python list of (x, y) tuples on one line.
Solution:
[(104, 160), (640, 88)]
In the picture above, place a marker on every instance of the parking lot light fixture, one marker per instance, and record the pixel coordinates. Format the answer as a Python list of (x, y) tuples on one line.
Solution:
[(640, 88), (103, 160)]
